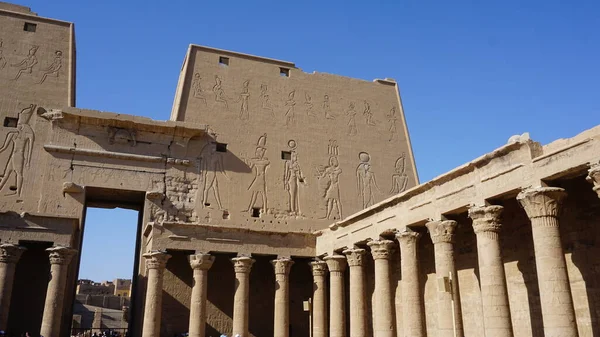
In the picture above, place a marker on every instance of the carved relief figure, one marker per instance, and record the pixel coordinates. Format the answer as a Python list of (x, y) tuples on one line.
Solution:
[(352, 120), (52, 69), (366, 180), (392, 122), (309, 105), (290, 103), (212, 165), (368, 114), (292, 178), (121, 136), (399, 179), (21, 144), (259, 165), (327, 108), (197, 88), (329, 176), (219, 92), (332, 148), (264, 98), (244, 97), (27, 64)]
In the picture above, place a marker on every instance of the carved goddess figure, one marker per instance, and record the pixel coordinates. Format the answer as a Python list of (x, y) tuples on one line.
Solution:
[(26, 65), (292, 179), (21, 142), (327, 108), (197, 88), (290, 103), (399, 179), (219, 92), (366, 180), (368, 114), (332, 191), (212, 165), (259, 165), (53, 69), (352, 120), (392, 122), (244, 96)]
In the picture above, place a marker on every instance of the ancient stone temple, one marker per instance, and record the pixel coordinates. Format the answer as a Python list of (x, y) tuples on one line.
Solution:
[(276, 202)]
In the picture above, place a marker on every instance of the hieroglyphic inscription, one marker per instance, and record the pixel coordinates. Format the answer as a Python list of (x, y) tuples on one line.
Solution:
[(368, 114), (264, 99)]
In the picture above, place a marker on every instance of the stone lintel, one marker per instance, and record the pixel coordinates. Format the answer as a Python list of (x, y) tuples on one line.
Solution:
[(61, 255), (541, 201), (10, 253), (201, 261), (354, 256), (381, 249), (442, 230), (486, 219)]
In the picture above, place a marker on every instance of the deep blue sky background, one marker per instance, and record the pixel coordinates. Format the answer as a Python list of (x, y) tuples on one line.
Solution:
[(471, 73)]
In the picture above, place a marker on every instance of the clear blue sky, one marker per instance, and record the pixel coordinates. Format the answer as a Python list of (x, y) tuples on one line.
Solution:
[(471, 73)]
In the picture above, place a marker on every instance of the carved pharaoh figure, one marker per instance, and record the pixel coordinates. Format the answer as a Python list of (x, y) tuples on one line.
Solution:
[(309, 105), (392, 122), (327, 108), (212, 165), (21, 142), (27, 64), (219, 92), (264, 98), (197, 88), (400, 178), (368, 114), (244, 97), (52, 69), (290, 104), (366, 180), (351, 112), (259, 165), (331, 177)]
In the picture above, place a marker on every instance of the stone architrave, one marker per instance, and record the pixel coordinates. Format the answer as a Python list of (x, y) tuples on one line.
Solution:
[(412, 312), (594, 178), (381, 250), (337, 306), (200, 264), (242, 266), (449, 311), (358, 310), (9, 256), (542, 206), (156, 262), (494, 293), (282, 266), (60, 257), (319, 300)]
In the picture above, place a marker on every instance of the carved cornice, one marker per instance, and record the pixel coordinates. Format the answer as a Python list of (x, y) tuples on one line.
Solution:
[(594, 178), (542, 201), (242, 264), (486, 219), (354, 256), (156, 260), (442, 231), (319, 268), (201, 261), (61, 255), (282, 265), (381, 249), (10, 253), (336, 263)]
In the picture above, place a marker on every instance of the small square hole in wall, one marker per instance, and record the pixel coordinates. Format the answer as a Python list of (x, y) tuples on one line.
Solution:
[(256, 212), (10, 122), (224, 60), (284, 72), (225, 215), (30, 27), (221, 147), (286, 155)]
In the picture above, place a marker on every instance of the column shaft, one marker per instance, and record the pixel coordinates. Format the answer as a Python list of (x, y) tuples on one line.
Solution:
[(200, 264), (282, 297), (9, 256), (319, 301), (384, 304), (59, 266), (494, 294), (358, 311), (542, 207), (449, 318), (337, 306), (155, 263), (242, 266), (412, 302)]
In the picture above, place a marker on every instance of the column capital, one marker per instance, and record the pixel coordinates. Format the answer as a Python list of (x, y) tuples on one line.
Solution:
[(282, 265), (594, 177), (319, 268), (541, 201), (156, 259), (61, 255), (242, 264), (381, 249), (354, 256), (201, 261), (336, 263), (442, 230), (486, 219), (10, 253), (408, 237)]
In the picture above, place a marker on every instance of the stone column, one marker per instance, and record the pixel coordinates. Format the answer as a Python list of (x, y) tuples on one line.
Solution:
[(449, 311), (156, 261), (412, 314), (9, 256), (200, 263), (494, 294), (282, 266), (337, 305), (594, 177), (242, 266), (59, 266), (358, 311), (319, 300), (381, 250), (542, 207)]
